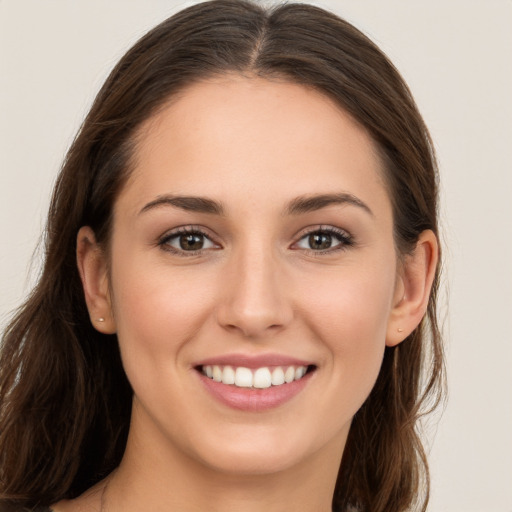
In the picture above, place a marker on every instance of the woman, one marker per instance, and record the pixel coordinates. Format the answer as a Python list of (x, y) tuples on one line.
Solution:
[(239, 295)]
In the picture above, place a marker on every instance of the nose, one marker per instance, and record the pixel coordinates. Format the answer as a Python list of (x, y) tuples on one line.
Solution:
[(254, 302)]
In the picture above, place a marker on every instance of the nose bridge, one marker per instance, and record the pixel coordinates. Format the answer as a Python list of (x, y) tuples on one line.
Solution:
[(255, 301)]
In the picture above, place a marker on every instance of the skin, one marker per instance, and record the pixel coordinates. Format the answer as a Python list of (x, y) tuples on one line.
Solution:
[(257, 287)]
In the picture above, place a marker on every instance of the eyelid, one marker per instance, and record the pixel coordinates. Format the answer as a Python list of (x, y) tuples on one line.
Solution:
[(346, 239), (163, 240)]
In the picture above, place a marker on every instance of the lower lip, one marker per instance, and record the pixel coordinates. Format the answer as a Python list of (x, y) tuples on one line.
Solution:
[(250, 399)]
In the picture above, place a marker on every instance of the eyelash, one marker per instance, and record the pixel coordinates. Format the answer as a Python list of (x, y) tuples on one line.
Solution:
[(345, 240), (343, 237), (185, 230)]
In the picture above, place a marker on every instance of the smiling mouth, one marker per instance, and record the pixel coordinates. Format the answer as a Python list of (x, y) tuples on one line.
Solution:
[(257, 378)]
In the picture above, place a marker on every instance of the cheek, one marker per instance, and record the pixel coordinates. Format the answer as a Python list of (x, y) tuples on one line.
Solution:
[(350, 317), (156, 313), (352, 303), (153, 301)]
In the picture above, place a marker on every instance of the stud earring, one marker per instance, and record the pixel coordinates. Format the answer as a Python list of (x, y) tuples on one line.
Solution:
[(400, 329), (101, 319)]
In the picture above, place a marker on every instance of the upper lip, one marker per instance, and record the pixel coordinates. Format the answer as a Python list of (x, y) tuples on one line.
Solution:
[(253, 361)]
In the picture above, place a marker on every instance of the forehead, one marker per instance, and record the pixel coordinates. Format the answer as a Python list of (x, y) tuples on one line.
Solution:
[(255, 139)]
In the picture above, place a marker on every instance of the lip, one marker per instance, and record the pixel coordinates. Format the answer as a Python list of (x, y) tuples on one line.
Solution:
[(254, 400), (249, 399), (253, 361)]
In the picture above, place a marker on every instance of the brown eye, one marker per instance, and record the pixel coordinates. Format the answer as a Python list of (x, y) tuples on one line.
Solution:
[(191, 242), (327, 239), (320, 241), (185, 241)]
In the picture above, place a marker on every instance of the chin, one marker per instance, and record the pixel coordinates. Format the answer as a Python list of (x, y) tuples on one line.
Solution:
[(253, 462), (264, 450)]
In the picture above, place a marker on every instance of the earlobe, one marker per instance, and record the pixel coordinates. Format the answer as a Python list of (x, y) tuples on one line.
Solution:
[(413, 290), (92, 266)]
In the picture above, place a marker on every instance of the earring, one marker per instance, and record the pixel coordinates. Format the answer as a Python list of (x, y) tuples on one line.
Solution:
[(400, 329), (101, 319)]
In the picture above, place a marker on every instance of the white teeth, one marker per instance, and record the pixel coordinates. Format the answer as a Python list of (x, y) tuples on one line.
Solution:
[(262, 378), (259, 378), (277, 377), (217, 374), (243, 377), (299, 372), (289, 374), (228, 375)]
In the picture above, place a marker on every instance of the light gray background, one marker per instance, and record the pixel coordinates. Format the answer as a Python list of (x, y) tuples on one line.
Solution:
[(455, 55)]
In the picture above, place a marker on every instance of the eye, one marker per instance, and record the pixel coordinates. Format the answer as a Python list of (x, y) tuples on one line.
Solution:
[(187, 240), (324, 240)]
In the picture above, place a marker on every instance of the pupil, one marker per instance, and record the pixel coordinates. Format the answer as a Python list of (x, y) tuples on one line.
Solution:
[(320, 241), (191, 242)]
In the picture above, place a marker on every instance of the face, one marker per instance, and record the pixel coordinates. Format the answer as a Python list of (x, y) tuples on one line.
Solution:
[(255, 235)]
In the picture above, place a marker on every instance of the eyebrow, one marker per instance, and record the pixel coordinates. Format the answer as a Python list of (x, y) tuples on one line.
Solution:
[(188, 203), (310, 203), (297, 206)]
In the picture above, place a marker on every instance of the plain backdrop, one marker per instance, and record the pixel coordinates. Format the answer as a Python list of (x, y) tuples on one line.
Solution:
[(456, 56)]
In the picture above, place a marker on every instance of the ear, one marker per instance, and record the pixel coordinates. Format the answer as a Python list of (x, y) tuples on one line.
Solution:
[(412, 291), (93, 269)]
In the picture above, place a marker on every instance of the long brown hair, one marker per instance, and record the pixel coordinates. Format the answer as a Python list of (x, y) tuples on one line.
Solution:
[(65, 402)]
